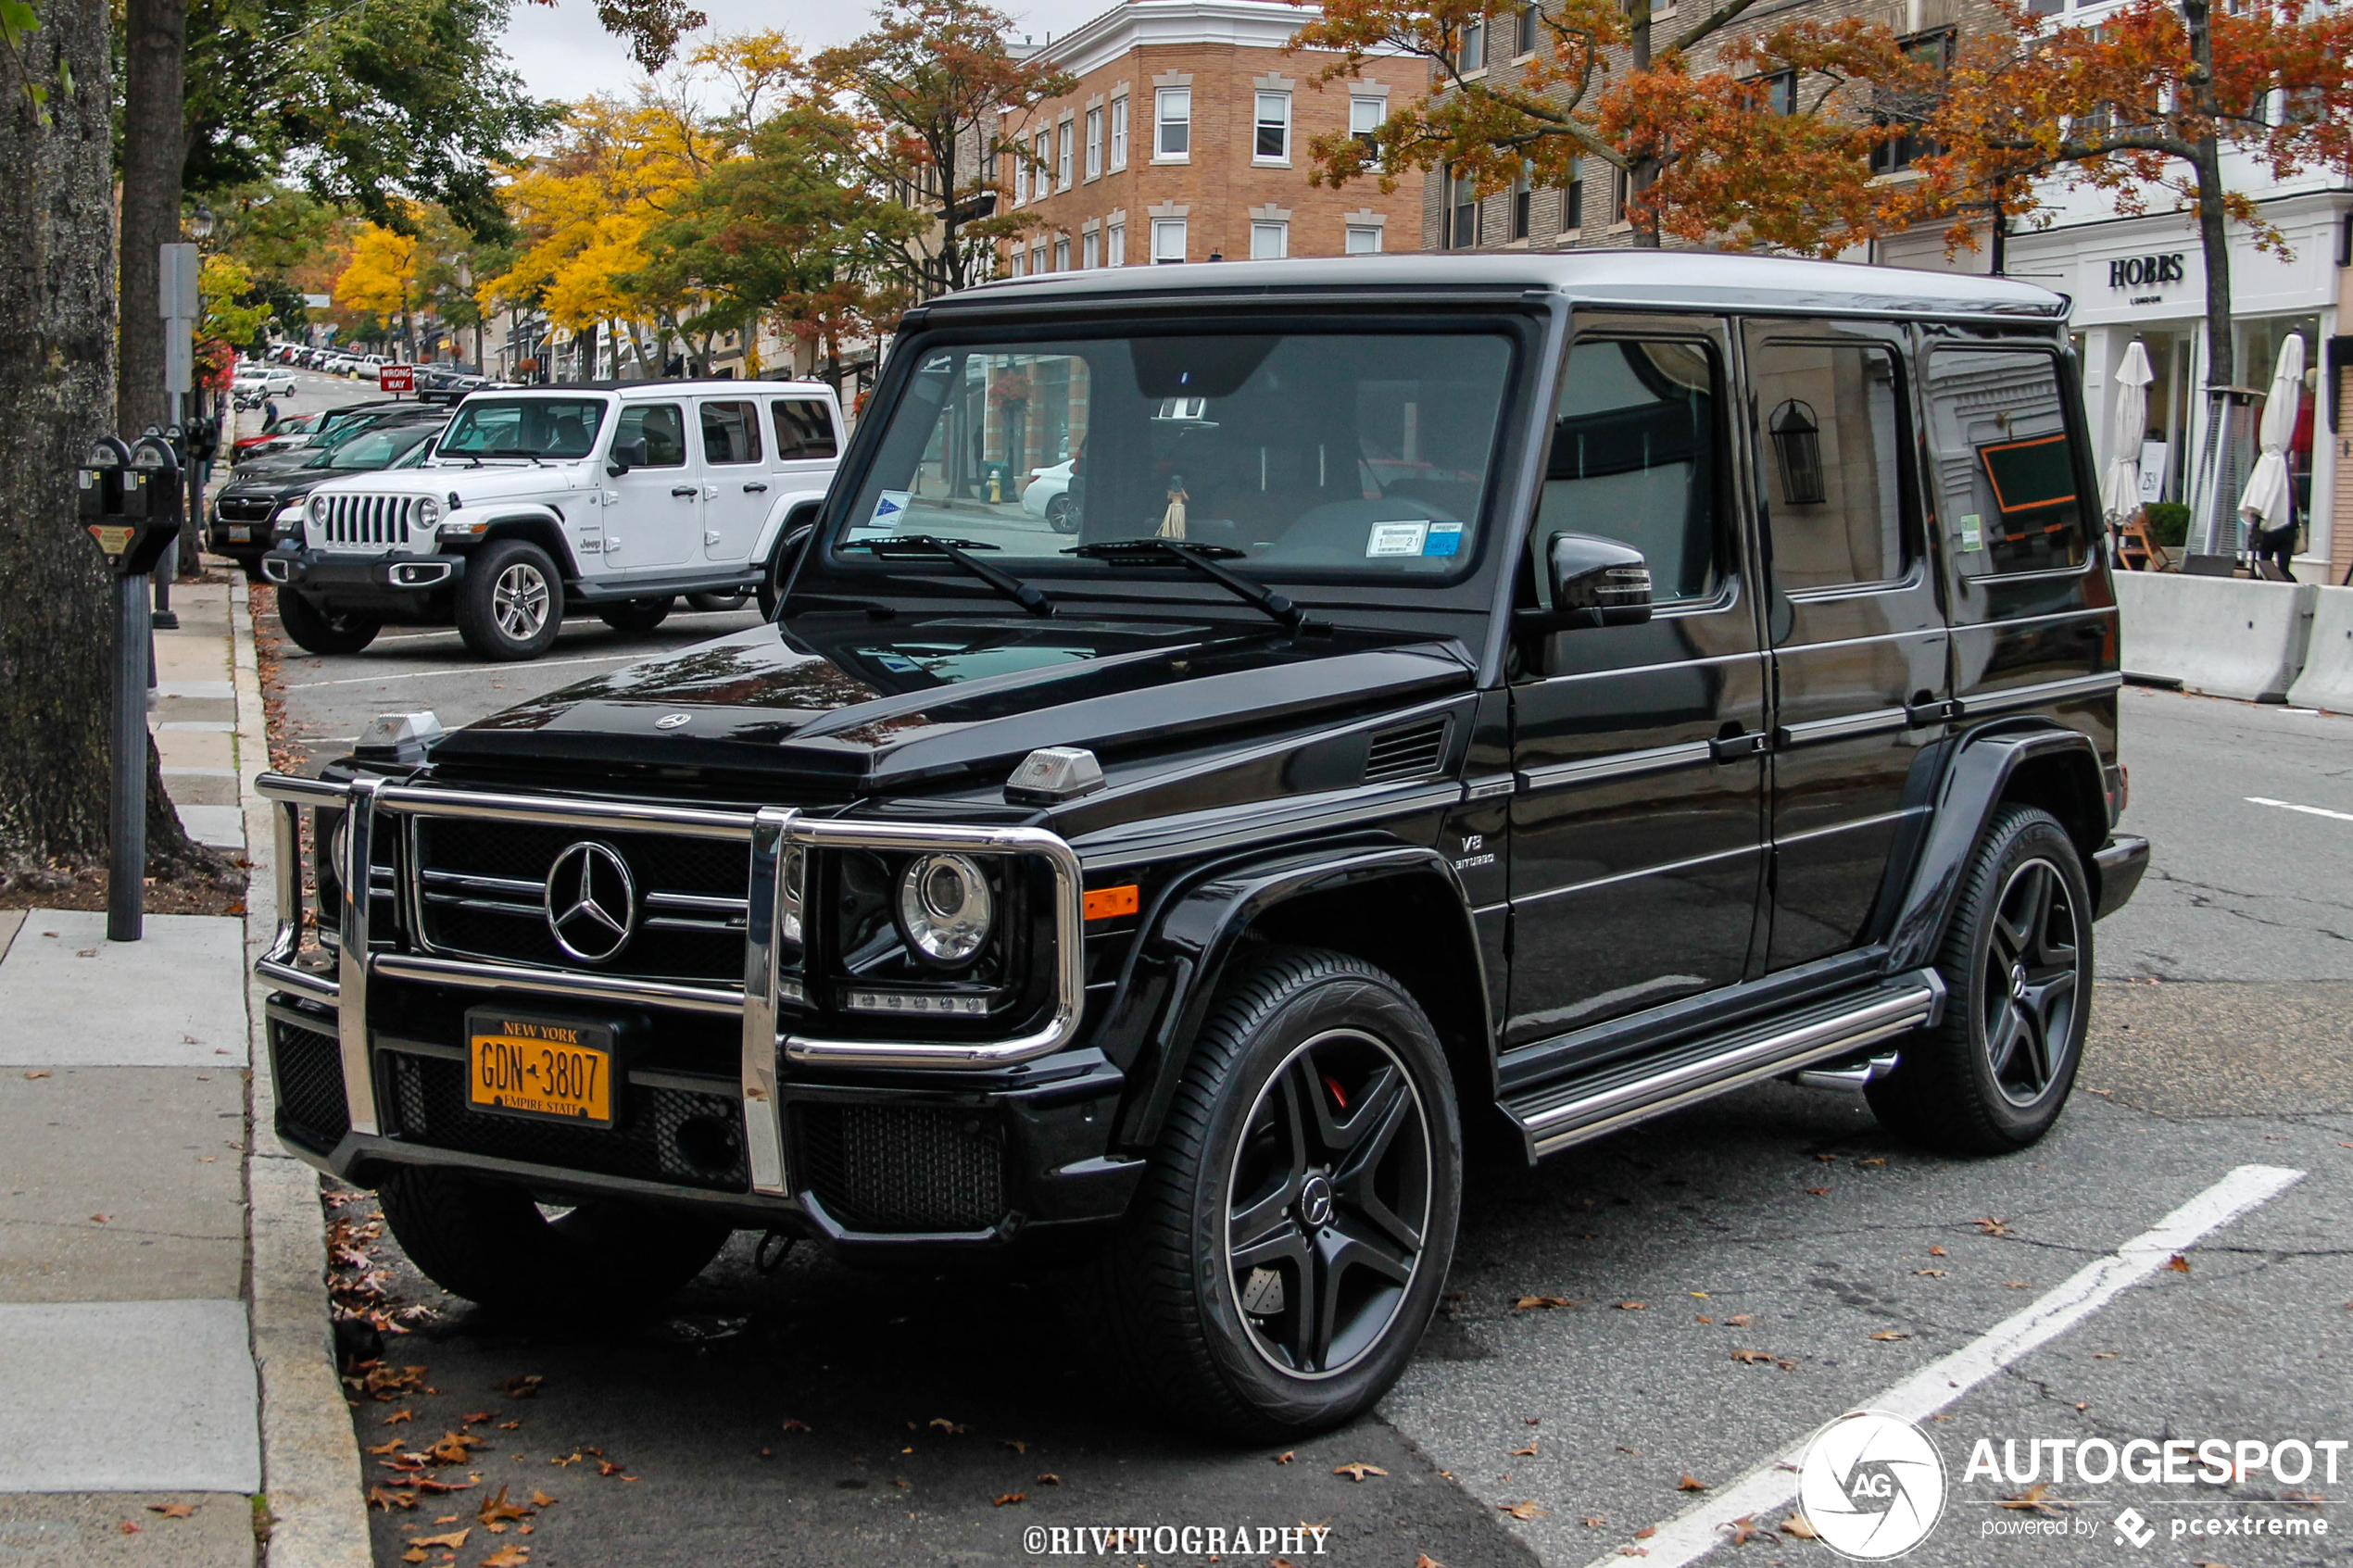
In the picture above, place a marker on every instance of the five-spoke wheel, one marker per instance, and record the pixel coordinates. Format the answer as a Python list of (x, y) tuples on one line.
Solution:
[(2028, 993)]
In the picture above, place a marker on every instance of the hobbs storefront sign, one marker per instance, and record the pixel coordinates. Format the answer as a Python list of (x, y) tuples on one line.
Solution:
[(2141, 272)]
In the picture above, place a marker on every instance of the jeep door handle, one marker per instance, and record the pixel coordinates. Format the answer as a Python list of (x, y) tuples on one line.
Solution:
[(1731, 749), (755, 488), (688, 491)]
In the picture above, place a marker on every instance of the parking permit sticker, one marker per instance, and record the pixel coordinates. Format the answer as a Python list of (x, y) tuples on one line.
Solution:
[(890, 507), (1972, 534), (1396, 539), (898, 663), (1445, 538)]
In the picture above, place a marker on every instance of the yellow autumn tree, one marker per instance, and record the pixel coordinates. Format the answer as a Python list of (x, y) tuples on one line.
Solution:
[(381, 277)]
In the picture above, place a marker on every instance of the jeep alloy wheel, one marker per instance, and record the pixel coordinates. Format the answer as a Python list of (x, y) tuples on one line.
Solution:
[(511, 604)]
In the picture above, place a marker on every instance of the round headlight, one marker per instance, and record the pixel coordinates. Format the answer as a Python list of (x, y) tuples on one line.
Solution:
[(428, 511), (338, 846), (944, 907), (318, 509)]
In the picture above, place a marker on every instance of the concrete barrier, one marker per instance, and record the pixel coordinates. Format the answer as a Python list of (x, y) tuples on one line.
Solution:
[(2221, 636), (2327, 679)]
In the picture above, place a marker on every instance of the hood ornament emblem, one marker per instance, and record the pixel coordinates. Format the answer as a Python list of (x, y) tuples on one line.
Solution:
[(591, 902), (674, 720)]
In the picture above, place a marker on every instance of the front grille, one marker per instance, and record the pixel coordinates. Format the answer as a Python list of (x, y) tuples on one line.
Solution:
[(1407, 753), (367, 519), (891, 1168), (307, 1068), (485, 886), (248, 508), (658, 1135)]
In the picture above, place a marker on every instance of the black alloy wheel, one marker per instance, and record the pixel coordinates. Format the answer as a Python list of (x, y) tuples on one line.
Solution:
[(1328, 1203), (2029, 991)]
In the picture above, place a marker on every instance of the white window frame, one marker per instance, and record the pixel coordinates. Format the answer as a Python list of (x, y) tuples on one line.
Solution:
[(1061, 252), (1021, 176), (1280, 102), (1163, 230), (1043, 148), (1373, 111), (1017, 269), (1037, 257), (1163, 121), (1471, 58), (1360, 231), (1269, 239), (1065, 154), (1095, 144), (1119, 131), (1090, 250), (1115, 245)]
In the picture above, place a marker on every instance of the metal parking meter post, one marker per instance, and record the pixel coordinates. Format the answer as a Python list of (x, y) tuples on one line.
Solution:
[(163, 618)]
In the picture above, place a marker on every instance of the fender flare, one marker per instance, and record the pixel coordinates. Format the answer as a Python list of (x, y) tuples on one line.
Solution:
[(1198, 927), (543, 526), (790, 511), (1977, 779)]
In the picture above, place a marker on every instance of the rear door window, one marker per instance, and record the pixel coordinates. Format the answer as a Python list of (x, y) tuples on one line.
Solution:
[(730, 432), (1829, 439), (804, 429), (2005, 469)]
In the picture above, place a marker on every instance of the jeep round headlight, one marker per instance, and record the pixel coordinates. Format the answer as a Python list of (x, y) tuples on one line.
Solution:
[(944, 907), (428, 511), (318, 509)]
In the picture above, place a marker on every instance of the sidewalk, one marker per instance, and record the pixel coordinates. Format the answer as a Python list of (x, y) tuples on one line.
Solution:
[(167, 1395)]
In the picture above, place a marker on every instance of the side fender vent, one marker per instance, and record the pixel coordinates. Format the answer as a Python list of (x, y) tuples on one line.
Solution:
[(1407, 753)]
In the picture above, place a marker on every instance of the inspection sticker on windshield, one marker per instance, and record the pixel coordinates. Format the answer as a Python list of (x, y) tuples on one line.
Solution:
[(1397, 539), (1445, 538), (890, 507), (1972, 533)]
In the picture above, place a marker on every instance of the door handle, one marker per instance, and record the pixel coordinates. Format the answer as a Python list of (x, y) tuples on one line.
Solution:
[(688, 491), (755, 488), (1918, 714), (1731, 749)]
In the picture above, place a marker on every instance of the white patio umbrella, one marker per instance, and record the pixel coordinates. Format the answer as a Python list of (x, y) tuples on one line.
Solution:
[(2121, 485), (2264, 502)]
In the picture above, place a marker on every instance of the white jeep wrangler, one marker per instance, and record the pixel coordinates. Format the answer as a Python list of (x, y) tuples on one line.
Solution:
[(611, 499)]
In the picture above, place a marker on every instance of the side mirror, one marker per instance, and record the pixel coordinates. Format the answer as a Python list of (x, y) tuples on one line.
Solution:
[(1594, 582), (627, 455)]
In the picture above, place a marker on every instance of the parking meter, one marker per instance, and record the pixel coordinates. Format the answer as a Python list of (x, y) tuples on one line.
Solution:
[(130, 502)]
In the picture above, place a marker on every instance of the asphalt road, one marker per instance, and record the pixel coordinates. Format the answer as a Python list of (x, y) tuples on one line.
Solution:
[(817, 1415)]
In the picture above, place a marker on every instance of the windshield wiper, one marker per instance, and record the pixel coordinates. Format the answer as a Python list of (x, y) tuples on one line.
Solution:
[(1028, 596), (1203, 559), (515, 452)]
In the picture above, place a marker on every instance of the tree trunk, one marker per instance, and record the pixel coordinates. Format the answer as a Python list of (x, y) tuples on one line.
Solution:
[(57, 393), (154, 137), (2197, 17)]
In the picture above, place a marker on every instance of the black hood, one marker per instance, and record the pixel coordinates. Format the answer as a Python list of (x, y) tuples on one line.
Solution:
[(857, 707), (287, 484)]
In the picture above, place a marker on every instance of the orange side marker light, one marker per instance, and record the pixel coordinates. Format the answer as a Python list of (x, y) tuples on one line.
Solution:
[(1104, 903)]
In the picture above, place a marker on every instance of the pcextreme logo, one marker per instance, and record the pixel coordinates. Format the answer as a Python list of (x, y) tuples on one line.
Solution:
[(1872, 1485)]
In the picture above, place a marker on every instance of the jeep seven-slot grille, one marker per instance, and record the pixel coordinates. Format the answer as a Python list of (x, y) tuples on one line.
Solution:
[(1407, 753), (305, 1068), (891, 1168), (658, 1135), (368, 520), (485, 888)]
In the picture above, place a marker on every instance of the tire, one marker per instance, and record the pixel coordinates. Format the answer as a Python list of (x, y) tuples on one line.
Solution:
[(324, 631), (488, 1242), (1058, 517), (711, 603), (2016, 961), (1224, 1343), (636, 615), (511, 604)]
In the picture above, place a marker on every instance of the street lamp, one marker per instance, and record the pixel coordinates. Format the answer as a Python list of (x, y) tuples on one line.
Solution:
[(200, 224)]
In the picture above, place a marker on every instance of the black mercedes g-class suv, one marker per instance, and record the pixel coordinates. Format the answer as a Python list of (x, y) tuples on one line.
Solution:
[(1518, 693)]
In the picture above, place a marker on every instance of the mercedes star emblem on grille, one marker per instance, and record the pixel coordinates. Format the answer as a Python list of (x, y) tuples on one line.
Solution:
[(674, 720), (591, 902)]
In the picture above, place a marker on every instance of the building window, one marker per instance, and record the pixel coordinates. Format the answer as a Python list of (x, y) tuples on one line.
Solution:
[(1461, 212), (1532, 28), (1907, 146), (1043, 167), (1573, 197), (1620, 186), (1017, 268), (1020, 177), (1522, 200), (1273, 143), (1064, 136), (1781, 92), (1472, 55), (1090, 249), (1364, 117), (1175, 110), (1037, 258), (1062, 253), (1094, 143), (1269, 240), (1115, 245), (1364, 239), (1119, 133), (1168, 240)]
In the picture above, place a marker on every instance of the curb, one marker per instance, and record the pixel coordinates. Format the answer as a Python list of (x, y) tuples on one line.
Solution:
[(309, 1461)]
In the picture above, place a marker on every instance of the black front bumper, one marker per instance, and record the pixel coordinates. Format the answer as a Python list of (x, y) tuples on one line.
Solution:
[(394, 583), (2117, 868), (991, 1165)]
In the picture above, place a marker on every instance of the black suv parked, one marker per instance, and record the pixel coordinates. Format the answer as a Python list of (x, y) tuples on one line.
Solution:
[(1517, 694)]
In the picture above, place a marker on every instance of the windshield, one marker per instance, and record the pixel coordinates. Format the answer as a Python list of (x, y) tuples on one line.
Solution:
[(373, 448), (525, 427), (1332, 455)]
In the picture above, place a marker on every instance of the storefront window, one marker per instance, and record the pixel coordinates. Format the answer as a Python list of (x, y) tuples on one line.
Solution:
[(2258, 357)]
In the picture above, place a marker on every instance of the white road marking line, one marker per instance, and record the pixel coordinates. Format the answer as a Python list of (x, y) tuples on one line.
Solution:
[(2307, 810), (466, 669), (1773, 1484)]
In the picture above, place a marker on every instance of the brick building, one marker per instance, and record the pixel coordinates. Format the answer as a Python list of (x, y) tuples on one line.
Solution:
[(1186, 138)]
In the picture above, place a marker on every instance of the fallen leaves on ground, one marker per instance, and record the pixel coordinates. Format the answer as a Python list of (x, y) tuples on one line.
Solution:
[(1741, 1321), (1826, 1158), (948, 1427), (1820, 1192), (1754, 1358), (1932, 1273), (497, 1508), (1011, 1498), (1991, 1226), (36, 1075), (414, 1554), (100, 1219), (1524, 1509), (1016, 1444), (541, 1500), (1424, 1559), (1357, 1470), (454, 1447), (1691, 1483), (793, 1425), (1802, 1527), (1936, 1252), (2030, 1500), (379, 1497), (476, 1419), (1595, 1521), (608, 1467), (1746, 1529), (1632, 1306), (2178, 1263), (1528, 1452), (508, 1557), (172, 1510), (453, 1540), (1646, 1532), (521, 1386), (1890, 1333), (1049, 1479), (1545, 1303), (1285, 1458)]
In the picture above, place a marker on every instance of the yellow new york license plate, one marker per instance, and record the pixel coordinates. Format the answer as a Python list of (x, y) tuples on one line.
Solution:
[(540, 1067)]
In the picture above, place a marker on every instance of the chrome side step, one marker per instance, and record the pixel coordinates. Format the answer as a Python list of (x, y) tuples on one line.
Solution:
[(1851, 1077), (1624, 1093)]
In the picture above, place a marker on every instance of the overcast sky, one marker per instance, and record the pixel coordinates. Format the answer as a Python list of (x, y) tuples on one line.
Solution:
[(563, 53)]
